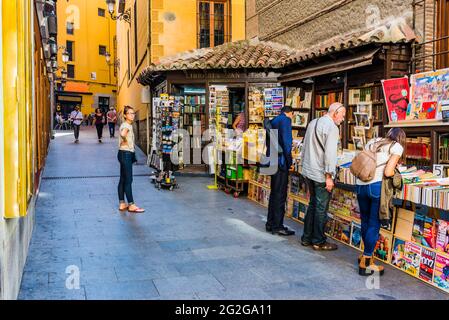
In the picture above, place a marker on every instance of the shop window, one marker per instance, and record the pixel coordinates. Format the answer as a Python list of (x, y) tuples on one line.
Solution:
[(70, 71), (431, 19), (70, 48), (101, 12), (213, 23), (102, 50)]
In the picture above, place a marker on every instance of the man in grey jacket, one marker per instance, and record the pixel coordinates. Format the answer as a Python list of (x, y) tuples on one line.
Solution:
[(319, 163)]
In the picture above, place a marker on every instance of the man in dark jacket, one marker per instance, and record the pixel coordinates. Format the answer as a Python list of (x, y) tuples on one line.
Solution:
[(279, 181)]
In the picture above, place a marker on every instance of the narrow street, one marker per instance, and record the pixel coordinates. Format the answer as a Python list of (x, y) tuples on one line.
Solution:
[(191, 243)]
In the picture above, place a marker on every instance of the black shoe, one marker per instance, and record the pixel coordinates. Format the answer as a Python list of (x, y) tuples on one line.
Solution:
[(270, 229), (305, 243), (284, 232)]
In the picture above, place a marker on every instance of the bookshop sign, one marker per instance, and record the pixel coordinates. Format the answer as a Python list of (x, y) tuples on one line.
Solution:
[(229, 75)]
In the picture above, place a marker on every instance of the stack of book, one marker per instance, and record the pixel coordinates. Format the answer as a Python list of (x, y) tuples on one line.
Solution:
[(325, 100), (418, 148)]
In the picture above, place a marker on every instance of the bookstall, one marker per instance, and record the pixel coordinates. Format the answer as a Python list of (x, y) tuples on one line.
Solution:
[(370, 80)]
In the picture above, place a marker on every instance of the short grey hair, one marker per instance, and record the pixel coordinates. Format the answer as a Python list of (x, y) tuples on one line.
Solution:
[(334, 107)]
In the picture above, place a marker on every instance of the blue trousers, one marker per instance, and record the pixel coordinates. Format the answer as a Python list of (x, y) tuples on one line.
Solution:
[(126, 176), (369, 203)]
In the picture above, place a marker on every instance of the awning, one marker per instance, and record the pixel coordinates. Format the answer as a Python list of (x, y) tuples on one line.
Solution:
[(79, 87), (357, 60)]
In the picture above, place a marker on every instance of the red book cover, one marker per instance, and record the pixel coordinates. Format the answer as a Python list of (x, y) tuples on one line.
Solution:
[(429, 108)]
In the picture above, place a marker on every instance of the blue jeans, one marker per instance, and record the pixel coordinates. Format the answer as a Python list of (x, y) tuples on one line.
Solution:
[(316, 215), (126, 176), (111, 129), (369, 203)]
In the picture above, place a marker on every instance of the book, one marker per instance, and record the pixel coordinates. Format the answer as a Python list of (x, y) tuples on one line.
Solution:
[(383, 246), (430, 231), (302, 210), (356, 235), (412, 257), (442, 242), (441, 272), (398, 253), (418, 228), (427, 265)]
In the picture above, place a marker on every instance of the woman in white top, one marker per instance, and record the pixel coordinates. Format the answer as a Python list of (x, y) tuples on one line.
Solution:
[(126, 156), (389, 151)]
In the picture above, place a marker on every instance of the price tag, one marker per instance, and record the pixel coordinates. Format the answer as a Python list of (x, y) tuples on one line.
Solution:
[(438, 170)]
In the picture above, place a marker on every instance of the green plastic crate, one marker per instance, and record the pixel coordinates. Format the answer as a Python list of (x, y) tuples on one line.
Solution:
[(234, 172)]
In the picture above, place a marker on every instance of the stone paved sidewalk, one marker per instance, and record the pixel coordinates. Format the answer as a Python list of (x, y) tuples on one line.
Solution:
[(191, 243)]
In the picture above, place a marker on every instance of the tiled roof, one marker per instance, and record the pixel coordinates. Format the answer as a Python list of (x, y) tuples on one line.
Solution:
[(262, 54), (239, 54), (395, 31)]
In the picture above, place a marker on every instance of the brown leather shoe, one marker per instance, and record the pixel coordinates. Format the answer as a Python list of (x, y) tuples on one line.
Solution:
[(326, 246)]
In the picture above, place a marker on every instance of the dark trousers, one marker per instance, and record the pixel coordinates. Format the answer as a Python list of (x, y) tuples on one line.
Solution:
[(316, 215), (99, 130), (278, 197), (126, 176), (369, 203), (111, 129), (76, 131)]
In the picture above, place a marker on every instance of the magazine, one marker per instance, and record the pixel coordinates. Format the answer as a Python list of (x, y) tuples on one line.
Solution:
[(427, 265), (412, 257), (441, 272), (442, 242)]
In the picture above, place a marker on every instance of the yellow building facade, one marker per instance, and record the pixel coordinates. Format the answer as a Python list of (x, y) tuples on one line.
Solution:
[(162, 28), (87, 32), (24, 133)]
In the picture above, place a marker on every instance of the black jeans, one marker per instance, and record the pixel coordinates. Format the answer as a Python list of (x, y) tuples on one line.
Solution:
[(316, 215), (126, 176), (111, 129), (99, 130), (76, 131), (278, 197)]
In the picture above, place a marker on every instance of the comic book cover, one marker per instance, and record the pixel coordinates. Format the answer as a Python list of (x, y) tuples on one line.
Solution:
[(295, 209), (442, 243), (441, 272), (329, 226), (427, 265), (430, 231), (398, 254), (412, 257), (294, 184), (383, 246), (418, 228), (337, 231), (302, 211), (356, 235), (432, 86), (345, 231)]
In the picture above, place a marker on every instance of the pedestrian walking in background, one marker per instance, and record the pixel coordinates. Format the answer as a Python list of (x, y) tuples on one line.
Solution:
[(126, 156), (112, 121), (389, 151), (279, 180), (77, 117), (100, 121), (319, 166)]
